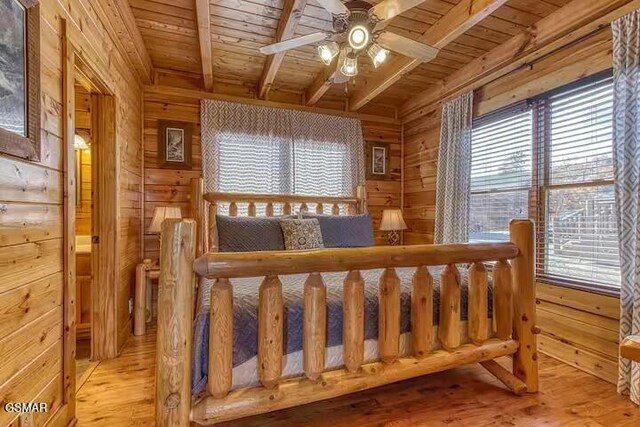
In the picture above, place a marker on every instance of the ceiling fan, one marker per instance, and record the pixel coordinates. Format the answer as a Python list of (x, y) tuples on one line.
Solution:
[(356, 28)]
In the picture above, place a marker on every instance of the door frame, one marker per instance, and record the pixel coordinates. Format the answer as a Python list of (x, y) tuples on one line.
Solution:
[(105, 218)]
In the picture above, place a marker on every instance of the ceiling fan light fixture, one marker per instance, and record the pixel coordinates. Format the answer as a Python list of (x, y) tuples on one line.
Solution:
[(328, 51), (350, 66), (377, 54), (358, 37)]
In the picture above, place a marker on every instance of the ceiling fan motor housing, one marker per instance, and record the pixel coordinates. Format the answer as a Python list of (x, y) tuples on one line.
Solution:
[(359, 16)]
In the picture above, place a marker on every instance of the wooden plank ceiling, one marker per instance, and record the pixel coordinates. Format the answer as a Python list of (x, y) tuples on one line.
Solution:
[(240, 27)]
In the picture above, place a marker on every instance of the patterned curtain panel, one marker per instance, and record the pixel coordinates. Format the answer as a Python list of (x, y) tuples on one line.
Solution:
[(257, 149), (626, 162), (454, 171)]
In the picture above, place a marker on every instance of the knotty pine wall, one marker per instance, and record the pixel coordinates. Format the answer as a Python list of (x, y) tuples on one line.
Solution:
[(579, 328), (31, 216), (168, 187)]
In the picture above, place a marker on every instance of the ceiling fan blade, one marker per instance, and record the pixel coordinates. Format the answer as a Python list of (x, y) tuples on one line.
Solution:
[(387, 9), (335, 7), (293, 43), (406, 46)]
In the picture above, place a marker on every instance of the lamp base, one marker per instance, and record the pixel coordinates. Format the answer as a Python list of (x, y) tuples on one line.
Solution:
[(393, 237)]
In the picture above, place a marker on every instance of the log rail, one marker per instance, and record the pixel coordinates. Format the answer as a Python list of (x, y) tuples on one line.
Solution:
[(513, 323)]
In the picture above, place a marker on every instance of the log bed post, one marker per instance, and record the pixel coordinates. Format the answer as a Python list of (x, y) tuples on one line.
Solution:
[(175, 317), (525, 360), (198, 212)]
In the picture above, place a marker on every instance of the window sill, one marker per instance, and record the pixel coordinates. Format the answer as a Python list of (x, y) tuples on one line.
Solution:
[(593, 288)]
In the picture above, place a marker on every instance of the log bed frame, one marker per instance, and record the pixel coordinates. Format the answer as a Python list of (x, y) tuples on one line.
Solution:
[(186, 251)]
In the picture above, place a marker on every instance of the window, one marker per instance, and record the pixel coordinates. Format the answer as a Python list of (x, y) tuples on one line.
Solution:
[(501, 156), (579, 224), (550, 159)]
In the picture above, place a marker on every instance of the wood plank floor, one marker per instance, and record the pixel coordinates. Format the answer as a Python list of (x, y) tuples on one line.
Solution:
[(119, 392)]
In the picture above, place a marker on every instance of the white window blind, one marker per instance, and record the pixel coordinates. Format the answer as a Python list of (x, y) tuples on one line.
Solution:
[(501, 162), (580, 238)]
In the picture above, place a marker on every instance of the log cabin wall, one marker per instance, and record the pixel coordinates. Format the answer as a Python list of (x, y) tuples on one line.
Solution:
[(31, 214), (579, 328), (170, 187)]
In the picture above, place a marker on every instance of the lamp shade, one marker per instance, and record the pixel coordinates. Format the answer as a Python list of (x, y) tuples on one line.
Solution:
[(392, 220), (161, 213)]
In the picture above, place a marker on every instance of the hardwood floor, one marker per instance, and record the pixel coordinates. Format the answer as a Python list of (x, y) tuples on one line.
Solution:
[(119, 392)]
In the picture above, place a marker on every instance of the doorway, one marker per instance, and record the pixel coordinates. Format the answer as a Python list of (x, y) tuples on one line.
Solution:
[(84, 141), (91, 222)]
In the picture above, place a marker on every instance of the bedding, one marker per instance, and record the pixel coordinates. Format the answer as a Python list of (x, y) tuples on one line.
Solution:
[(246, 234), (345, 231), (245, 307)]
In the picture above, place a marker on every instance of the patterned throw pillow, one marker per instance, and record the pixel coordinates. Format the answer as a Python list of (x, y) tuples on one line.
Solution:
[(301, 234)]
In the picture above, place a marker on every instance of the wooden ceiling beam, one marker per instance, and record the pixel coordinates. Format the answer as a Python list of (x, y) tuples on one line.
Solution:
[(291, 13), (457, 21), (321, 83), (564, 26), (203, 15)]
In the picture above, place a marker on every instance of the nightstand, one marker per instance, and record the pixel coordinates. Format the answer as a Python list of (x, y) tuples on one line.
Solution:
[(146, 273)]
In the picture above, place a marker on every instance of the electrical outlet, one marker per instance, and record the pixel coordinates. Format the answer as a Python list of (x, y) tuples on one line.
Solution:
[(130, 305), (26, 419)]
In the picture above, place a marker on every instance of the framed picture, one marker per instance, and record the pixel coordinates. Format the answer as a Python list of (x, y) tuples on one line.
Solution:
[(174, 144), (20, 78), (378, 161)]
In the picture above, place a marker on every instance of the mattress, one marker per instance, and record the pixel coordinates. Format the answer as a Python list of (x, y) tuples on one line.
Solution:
[(245, 311)]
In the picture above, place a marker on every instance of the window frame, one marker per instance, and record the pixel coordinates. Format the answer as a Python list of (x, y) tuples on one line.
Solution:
[(541, 184)]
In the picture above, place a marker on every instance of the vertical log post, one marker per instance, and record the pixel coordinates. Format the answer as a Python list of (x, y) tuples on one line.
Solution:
[(269, 209), (270, 330), (525, 360), (233, 209), (314, 325), (213, 227), (286, 208), (421, 312), (198, 212), (175, 317), (389, 315), (502, 300), (304, 208), (353, 320), (361, 194), (220, 339), (478, 303), (319, 209), (449, 327), (251, 209), (335, 209)]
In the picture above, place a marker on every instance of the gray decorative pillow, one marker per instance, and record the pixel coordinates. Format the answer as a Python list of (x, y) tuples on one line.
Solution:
[(301, 234), (351, 231), (248, 234)]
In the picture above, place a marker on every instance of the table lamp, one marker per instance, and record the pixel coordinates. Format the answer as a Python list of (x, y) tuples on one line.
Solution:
[(160, 213), (392, 222)]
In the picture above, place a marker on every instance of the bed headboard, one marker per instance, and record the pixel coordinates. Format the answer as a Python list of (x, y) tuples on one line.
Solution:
[(205, 206)]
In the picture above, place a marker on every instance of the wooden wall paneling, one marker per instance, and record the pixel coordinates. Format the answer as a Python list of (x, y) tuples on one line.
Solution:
[(32, 277)]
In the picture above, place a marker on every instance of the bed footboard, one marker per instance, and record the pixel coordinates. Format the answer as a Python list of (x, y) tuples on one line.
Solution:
[(514, 321)]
